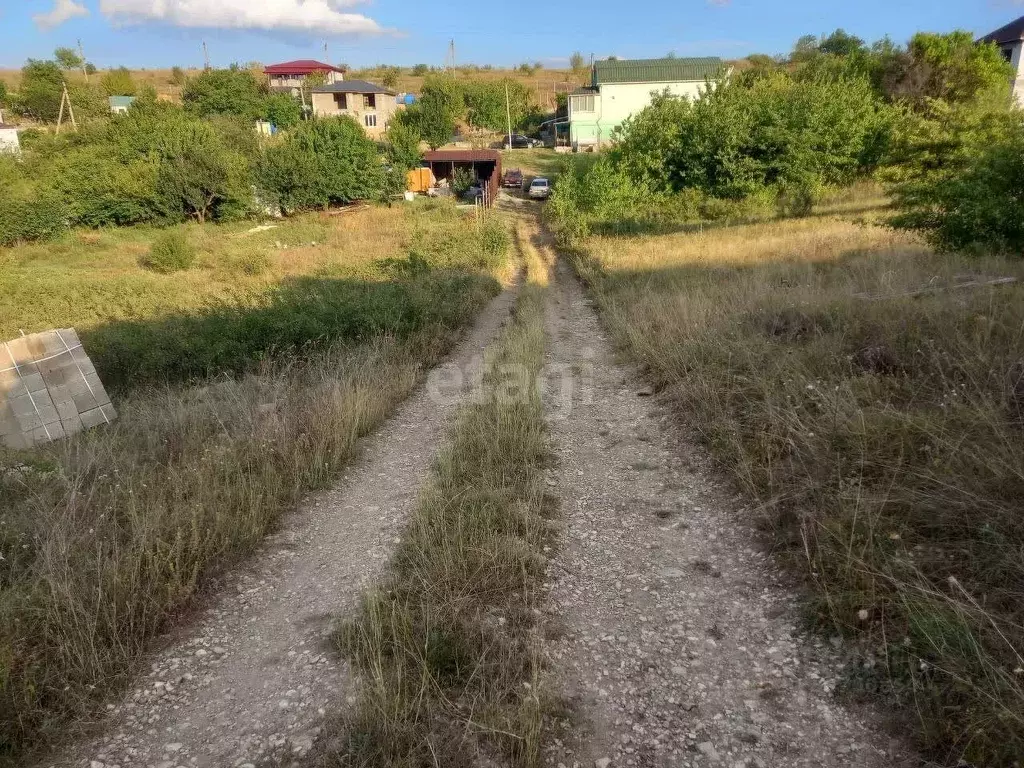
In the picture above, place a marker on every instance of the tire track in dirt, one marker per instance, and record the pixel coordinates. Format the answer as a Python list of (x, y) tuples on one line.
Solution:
[(676, 638), (250, 680)]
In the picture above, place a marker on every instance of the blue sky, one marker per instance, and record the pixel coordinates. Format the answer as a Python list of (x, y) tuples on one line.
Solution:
[(162, 33)]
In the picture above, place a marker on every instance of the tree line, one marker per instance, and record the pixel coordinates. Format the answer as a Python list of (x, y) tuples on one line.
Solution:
[(932, 119)]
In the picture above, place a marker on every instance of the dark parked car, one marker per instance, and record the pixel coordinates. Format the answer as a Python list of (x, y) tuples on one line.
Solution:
[(518, 141), (513, 179)]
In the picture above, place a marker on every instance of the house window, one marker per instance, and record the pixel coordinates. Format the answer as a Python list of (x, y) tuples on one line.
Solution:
[(583, 103), (1007, 53), (341, 100), (369, 101), (370, 121)]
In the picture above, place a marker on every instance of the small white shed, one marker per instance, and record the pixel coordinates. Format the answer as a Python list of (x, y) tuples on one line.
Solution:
[(9, 141)]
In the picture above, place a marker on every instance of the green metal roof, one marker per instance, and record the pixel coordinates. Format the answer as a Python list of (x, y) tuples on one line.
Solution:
[(657, 70)]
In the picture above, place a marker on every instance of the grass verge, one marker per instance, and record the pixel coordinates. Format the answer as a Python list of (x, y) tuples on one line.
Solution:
[(105, 537), (882, 436), (447, 650)]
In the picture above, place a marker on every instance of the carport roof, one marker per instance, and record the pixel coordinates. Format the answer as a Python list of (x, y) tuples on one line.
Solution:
[(462, 156)]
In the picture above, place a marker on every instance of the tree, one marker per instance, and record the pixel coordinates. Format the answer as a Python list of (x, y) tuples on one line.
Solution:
[(178, 76), (39, 94), (954, 68), (435, 121), (320, 163), (577, 63), (68, 58), (420, 70), (389, 77), (282, 110), (806, 47), (90, 68), (3, 94), (486, 107), (118, 82), (231, 91), (841, 43), (403, 145)]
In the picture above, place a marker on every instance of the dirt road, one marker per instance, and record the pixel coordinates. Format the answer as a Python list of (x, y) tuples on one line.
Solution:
[(678, 637), (250, 681)]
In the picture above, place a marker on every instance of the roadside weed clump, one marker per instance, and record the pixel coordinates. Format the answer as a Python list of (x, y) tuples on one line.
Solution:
[(447, 649), (873, 410)]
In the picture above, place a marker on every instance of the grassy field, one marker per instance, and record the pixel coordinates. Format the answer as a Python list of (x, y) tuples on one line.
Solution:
[(880, 431), (248, 296), (106, 536), (446, 648)]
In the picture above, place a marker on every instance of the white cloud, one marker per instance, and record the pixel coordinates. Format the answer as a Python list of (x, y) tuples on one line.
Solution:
[(325, 17), (63, 10)]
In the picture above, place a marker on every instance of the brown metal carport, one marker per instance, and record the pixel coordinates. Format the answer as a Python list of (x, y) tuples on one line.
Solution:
[(484, 163)]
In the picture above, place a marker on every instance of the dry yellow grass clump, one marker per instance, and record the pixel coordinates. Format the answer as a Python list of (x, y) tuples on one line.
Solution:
[(876, 412)]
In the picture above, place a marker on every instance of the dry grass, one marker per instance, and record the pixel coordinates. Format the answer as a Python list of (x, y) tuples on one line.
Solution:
[(446, 649), (106, 537), (883, 439)]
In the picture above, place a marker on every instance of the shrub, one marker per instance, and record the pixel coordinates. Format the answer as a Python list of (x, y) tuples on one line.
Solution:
[(322, 163), (462, 180), (420, 70), (30, 216), (974, 206), (118, 82), (171, 252), (225, 92), (282, 110)]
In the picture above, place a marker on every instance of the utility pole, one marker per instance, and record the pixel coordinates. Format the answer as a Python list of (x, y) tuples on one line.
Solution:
[(206, 56), (81, 55), (327, 59), (65, 98), (449, 59), (508, 116)]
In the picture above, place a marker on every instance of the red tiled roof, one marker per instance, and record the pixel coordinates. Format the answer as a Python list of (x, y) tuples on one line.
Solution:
[(300, 67)]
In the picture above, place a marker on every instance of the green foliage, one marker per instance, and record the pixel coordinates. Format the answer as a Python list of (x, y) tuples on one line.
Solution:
[(841, 43), (30, 215), (68, 58), (737, 139), (486, 103), (420, 70), (403, 146), (171, 252), (40, 90), (231, 91), (462, 180), (953, 68), (389, 76), (178, 76), (90, 68), (282, 110), (960, 178), (321, 163), (118, 82), (4, 95), (577, 63)]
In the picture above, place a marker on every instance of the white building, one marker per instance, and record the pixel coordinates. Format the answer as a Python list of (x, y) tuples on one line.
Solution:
[(1010, 40), (620, 89), (9, 142)]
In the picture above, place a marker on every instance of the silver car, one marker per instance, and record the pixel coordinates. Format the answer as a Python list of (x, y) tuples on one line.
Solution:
[(540, 189)]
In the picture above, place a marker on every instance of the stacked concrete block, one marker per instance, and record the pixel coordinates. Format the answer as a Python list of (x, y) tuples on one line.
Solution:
[(48, 389)]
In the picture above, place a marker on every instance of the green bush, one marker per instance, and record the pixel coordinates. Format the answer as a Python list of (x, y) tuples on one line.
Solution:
[(974, 202), (322, 163), (171, 252), (231, 91), (28, 216), (118, 82)]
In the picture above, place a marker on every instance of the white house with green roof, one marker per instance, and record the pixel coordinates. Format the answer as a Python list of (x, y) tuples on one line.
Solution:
[(621, 88)]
